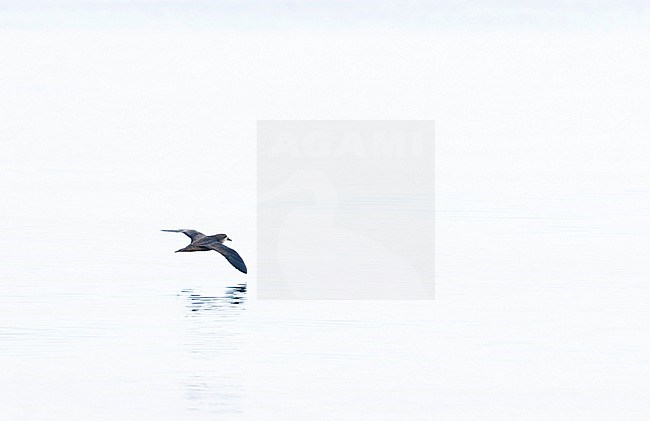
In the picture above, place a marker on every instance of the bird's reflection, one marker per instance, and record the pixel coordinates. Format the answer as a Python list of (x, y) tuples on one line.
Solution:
[(213, 340), (233, 297)]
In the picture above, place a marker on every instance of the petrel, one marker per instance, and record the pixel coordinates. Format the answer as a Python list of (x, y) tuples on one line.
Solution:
[(201, 242)]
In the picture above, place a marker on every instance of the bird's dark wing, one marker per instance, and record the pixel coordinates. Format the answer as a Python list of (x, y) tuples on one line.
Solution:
[(233, 257), (194, 235)]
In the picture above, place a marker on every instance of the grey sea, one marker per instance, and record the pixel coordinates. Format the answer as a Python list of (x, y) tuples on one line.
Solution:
[(120, 119)]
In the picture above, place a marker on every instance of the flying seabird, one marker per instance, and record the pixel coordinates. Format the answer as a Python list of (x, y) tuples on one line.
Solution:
[(201, 242)]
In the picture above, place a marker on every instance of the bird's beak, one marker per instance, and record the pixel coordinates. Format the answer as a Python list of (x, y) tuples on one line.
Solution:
[(228, 239)]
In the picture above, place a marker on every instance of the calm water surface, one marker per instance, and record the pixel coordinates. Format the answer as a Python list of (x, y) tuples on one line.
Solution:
[(113, 330), (542, 199), (532, 306)]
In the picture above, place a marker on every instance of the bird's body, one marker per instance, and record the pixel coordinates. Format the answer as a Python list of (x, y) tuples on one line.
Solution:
[(201, 242)]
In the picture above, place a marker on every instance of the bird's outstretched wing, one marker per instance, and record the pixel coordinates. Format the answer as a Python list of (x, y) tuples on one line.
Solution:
[(194, 235), (231, 255)]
